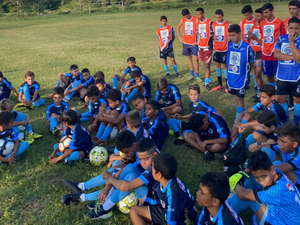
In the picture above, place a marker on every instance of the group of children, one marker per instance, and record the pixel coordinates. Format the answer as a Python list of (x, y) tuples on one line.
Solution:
[(270, 180)]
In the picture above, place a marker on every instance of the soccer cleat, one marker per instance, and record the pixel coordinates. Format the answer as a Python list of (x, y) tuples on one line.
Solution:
[(219, 87), (256, 98), (226, 90), (34, 136), (98, 213), (198, 79), (178, 141), (209, 156), (190, 78), (168, 75), (94, 205), (29, 107), (29, 140), (21, 104), (171, 132), (68, 198), (206, 87), (56, 132), (71, 186), (178, 75), (50, 96)]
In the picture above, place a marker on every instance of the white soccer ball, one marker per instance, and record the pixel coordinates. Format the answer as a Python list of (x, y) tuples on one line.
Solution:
[(98, 156), (22, 132), (114, 133), (61, 128), (126, 203), (6, 146), (64, 143)]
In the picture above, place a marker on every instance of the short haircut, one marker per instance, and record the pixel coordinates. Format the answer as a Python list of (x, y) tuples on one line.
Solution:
[(85, 70), (7, 105), (162, 83), (166, 164), (185, 12), (219, 12), (73, 67), (29, 74), (247, 9), (146, 145), (196, 121), (136, 73), (6, 117), (200, 10), (291, 131), (92, 91), (268, 118), (259, 160), (217, 185), (114, 95), (234, 28), (125, 139), (1, 74), (99, 81), (194, 87), (131, 59), (268, 6), (294, 20), (155, 104), (99, 75), (138, 96), (163, 18), (294, 3), (70, 117), (259, 10), (58, 91), (268, 89), (134, 118)]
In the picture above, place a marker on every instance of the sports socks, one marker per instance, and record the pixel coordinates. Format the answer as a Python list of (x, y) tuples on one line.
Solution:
[(175, 125), (249, 140), (115, 82), (286, 109), (53, 123), (219, 75), (38, 103), (123, 95), (100, 130), (166, 68), (106, 133), (273, 84), (238, 111), (296, 114), (197, 74), (175, 68), (192, 72), (132, 93), (255, 84), (206, 81)]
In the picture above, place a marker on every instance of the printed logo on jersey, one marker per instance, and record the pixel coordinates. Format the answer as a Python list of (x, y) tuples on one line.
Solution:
[(256, 33), (286, 49), (269, 34), (220, 31), (210, 131), (164, 35), (163, 204), (1, 89), (202, 31), (188, 28), (247, 28), (234, 62)]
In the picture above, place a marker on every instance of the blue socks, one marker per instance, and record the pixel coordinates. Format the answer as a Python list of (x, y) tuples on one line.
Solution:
[(175, 68), (255, 84), (53, 123), (286, 109), (166, 68), (132, 93), (219, 72), (249, 140), (273, 84), (225, 74), (197, 74), (192, 72), (38, 103), (210, 80), (100, 130), (106, 133), (174, 124), (296, 114), (206, 81), (74, 156), (115, 82), (123, 95), (238, 111)]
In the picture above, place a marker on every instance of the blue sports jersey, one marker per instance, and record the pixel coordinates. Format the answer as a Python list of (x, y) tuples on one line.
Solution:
[(129, 70), (158, 130), (287, 70), (282, 199), (276, 108), (169, 97), (103, 95), (34, 87), (71, 78), (201, 107), (93, 108), (9, 133), (161, 114), (58, 110), (123, 109), (108, 87), (146, 85), (15, 114), (140, 134), (225, 216), (238, 67), (5, 86), (88, 82)]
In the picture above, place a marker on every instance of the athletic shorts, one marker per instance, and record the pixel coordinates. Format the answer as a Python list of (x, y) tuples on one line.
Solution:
[(257, 59), (205, 55), (185, 126), (220, 57), (269, 67), (267, 218), (157, 214), (167, 52), (287, 88), (189, 50), (239, 93)]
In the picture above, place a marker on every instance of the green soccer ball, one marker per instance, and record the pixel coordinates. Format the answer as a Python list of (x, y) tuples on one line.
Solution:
[(98, 156), (126, 203)]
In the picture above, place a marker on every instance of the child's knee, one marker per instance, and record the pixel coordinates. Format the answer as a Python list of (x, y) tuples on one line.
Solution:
[(114, 113), (53, 115), (187, 135)]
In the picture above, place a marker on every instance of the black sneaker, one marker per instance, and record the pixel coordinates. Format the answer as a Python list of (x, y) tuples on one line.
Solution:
[(71, 186), (168, 75), (178, 141), (98, 213), (256, 98), (206, 87), (255, 90), (94, 204), (220, 157), (209, 156), (178, 75), (68, 198), (110, 149)]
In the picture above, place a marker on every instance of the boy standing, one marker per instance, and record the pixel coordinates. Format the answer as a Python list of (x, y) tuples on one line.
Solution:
[(166, 37), (189, 41), (294, 7), (6, 88), (248, 21)]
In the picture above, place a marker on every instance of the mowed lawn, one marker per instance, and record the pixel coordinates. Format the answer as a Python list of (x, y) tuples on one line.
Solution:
[(30, 189)]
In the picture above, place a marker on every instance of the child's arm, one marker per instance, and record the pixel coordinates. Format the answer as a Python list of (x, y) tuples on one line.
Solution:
[(24, 122), (244, 194), (282, 56), (66, 154), (215, 141), (294, 49), (178, 31), (33, 98), (141, 83), (123, 185), (178, 116), (242, 114), (252, 36), (76, 88), (287, 167), (14, 91), (7, 160), (177, 103), (60, 75), (67, 89), (15, 151), (111, 118)]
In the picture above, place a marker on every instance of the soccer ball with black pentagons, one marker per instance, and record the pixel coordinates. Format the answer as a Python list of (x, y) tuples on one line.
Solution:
[(98, 156), (64, 143), (6, 146), (126, 203)]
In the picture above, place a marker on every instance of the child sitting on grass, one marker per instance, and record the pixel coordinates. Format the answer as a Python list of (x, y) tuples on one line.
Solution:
[(64, 79), (100, 75), (81, 143), (103, 88), (6, 88), (6, 132)]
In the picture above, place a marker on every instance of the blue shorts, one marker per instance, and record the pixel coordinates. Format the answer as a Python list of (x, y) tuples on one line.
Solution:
[(267, 218), (269, 67), (189, 50)]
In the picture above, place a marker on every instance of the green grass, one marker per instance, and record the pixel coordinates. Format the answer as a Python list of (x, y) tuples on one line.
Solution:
[(30, 189)]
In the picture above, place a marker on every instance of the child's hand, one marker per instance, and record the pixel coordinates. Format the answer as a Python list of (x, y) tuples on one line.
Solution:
[(109, 164), (140, 83), (10, 160), (54, 160), (177, 116), (181, 39), (51, 156), (102, 195), (241, 130), (292, 36), (66, 92), (106, 174)]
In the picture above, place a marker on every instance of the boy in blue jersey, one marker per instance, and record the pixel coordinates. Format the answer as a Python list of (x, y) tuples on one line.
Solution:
[(100, 75), (81, 143), (112, 117), (212, 194), (131, 67), (277, 202), (6, 88), (64, 79), (287, 51), (170, 96), (7, 132), (175, 200), (103, 88), (209, 134), (239, 63), (55, 109), (156, 123), (29, 93), (96, 105)]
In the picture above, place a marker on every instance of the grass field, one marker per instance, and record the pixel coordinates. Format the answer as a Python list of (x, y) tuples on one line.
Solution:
[(30, 189)]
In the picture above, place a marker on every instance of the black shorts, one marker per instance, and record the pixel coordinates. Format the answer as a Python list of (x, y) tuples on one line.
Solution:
[(220, 57), (157, 214), (185, 126), (287, 88), (167, 52), (239, 93)]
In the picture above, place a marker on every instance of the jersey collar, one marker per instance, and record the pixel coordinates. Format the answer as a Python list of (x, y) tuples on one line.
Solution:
[(163, 190)]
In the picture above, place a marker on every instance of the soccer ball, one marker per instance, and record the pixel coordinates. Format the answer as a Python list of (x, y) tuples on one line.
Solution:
[(64, 143), (22, 132), (114, 133), (6, 146), (98, 156), (126, 203), (61, 128)]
